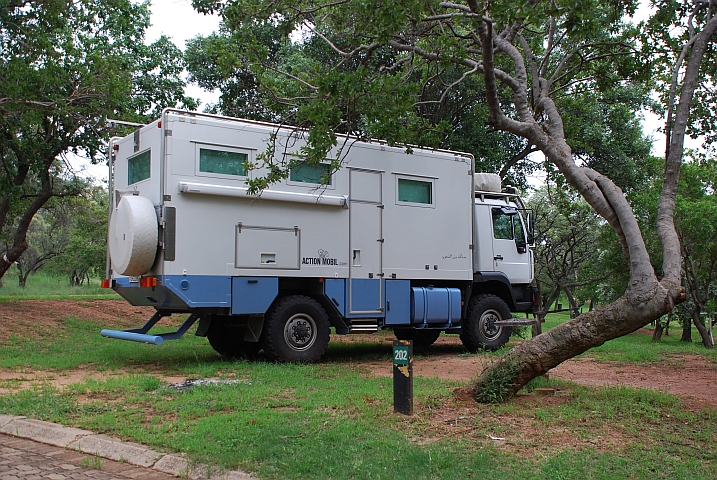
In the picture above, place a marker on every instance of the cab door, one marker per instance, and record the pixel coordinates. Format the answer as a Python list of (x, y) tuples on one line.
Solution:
[(511, 254)]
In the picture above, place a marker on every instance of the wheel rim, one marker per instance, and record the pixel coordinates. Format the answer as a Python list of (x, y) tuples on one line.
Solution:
[(300, 332), (488, 328)]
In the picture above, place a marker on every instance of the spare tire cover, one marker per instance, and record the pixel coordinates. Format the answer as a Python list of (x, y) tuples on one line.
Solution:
[(133, 236)]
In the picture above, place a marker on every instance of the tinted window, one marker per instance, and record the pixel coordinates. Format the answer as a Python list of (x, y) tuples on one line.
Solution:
[(222, 162), (308, 173), (415, 191), (502, 225), (138, 167)]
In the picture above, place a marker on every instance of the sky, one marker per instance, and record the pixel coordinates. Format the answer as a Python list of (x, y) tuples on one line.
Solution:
[(179, 21)]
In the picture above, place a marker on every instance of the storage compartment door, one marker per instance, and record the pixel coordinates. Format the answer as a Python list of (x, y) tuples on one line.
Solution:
[(267, 247), (398, 302)]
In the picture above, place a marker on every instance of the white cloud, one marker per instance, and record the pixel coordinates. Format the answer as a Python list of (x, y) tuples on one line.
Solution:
[(179, 21)]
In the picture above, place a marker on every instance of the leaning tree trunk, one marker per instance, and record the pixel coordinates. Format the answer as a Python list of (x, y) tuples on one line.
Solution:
[(20, 244), (707, 341), (571, 301), (646, 298)]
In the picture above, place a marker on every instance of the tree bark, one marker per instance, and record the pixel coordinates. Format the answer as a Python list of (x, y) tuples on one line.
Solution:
[(686, 330), (20, 239), (657, 332), (666, 232), (704, 333), (571, 301)]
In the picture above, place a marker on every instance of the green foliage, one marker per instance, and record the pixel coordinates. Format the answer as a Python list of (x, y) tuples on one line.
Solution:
[(67, 67), (696, 223), (605, 134), (569, 257), (85, 253), (666, 33)]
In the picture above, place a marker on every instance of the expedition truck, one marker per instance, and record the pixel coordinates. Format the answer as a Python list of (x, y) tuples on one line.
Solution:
[(416, 243)]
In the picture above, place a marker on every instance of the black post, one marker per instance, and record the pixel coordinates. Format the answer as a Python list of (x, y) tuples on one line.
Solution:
[(403, 376)]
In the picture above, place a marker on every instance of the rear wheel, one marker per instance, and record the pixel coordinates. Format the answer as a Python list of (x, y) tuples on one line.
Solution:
[(421, 338), (226, 336), (479, 329), (296, 329)]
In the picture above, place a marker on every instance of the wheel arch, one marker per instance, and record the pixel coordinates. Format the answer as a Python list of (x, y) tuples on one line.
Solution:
[(494, 283)]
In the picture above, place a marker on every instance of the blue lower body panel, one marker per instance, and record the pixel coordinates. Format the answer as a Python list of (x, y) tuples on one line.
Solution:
[(244, 295), (253, 295), (200, 291)]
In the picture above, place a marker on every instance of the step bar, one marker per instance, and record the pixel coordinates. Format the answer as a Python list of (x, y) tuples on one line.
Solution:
[(516, 322), (140, 334)]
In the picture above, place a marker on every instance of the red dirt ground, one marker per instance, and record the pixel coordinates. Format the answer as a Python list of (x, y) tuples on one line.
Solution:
[(691, 377)]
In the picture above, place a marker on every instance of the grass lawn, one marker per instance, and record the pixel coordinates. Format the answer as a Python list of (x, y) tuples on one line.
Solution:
[(334, 419), (42, 285)]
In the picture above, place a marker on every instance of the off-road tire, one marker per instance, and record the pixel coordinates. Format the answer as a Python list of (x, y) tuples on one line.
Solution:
[(421, 338), (477, 332), (296, 329), (227, 338)]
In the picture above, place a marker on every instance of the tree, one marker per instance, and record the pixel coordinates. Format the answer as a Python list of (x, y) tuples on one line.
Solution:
[(696, 220), (215, 62), (47, 238), (68, 66), (566, 239), (533, 53), (86, 250)]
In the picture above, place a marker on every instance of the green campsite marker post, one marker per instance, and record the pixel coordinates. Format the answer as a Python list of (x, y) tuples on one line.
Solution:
[(403, 376)]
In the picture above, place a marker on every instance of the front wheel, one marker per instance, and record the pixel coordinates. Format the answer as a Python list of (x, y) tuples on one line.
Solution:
[(479, 329), (296, 329)]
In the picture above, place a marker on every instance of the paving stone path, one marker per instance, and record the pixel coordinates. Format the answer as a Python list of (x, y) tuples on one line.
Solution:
[(34, 449), (22, 459)]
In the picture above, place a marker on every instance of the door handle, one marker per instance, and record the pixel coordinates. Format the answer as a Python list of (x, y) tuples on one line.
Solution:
[(498, 257)]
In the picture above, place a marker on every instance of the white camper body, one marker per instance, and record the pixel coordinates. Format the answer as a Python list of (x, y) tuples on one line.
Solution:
[(387, 240)]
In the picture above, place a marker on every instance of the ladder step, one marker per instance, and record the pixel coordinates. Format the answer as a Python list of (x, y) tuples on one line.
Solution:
[(363, 328)]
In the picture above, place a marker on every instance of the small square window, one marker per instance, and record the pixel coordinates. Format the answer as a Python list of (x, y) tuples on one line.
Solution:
[(310, 173), (222, 162), (139, 167), (415, 191)]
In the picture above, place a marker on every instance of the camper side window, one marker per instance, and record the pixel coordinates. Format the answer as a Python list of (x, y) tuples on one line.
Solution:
[(139, 167), (310, 173), (222, 162), (414, 192)]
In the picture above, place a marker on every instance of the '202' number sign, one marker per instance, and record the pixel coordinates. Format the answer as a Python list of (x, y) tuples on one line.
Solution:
[(400, 355)]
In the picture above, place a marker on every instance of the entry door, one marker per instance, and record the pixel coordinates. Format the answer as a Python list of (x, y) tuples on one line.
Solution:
[(365, 242), (510, 253)]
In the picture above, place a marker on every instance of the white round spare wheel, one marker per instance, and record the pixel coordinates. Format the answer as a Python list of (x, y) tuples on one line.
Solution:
[(133, 236)]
